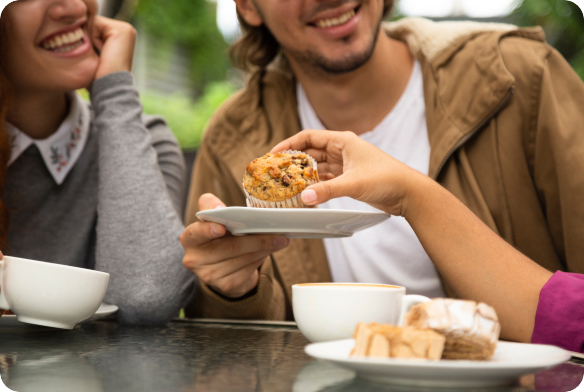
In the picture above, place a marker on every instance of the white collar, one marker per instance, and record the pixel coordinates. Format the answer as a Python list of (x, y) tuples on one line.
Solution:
[(62, 149)]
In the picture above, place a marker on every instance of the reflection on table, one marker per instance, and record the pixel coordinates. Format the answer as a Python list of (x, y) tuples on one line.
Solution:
[(192, 356)]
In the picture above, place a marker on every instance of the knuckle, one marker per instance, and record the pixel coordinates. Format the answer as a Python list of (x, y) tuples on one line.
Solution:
[(228, 286), (264, 242), (189, 262), (206, 275)]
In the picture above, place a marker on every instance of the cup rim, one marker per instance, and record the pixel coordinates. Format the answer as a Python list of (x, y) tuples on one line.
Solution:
[(364, 286), (57, 266)]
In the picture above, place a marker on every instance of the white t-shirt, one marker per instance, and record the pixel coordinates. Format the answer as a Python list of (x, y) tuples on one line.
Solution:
[(389, 253)]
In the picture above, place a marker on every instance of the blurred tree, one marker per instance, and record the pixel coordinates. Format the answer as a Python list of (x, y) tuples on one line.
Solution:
[(563, 24), (191, 24), (186, 118)]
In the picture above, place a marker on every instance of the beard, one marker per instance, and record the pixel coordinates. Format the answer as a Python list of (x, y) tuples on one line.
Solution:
[(336, 66)]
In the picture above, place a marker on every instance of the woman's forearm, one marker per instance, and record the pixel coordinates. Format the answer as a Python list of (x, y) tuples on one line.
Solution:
[(474, 260), (138, 225)]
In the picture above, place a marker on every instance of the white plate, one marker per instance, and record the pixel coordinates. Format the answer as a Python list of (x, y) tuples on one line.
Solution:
[(293, 222), (104, 310), (510, 361)]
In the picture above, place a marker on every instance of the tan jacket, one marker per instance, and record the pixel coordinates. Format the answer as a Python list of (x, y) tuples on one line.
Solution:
[(505, 118)]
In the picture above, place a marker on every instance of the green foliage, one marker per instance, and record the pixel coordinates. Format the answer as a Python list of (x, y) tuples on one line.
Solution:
[(191, 24), (563, 24), (188, 119)]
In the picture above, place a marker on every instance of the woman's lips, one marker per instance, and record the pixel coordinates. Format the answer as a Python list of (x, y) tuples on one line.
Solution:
[(70, 42), (60, 42)]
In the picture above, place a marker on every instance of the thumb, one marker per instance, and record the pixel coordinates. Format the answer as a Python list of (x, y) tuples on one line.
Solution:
[(323, 191)]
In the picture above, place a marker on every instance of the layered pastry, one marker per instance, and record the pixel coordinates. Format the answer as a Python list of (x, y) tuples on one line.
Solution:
[(276, 180), (471, 329), (387, 341)]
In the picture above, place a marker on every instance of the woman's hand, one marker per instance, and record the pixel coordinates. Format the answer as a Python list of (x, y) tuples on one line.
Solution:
[(115, 41), (354, 168)]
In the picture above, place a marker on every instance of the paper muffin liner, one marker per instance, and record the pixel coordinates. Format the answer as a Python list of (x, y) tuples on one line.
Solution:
[(293, 202)]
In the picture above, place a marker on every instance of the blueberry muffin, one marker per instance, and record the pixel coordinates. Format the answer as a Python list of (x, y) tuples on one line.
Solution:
[(276, 180)]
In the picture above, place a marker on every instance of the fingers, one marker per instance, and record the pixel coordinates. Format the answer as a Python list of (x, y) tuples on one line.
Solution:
[(240, 283), (305, 139), (227, 248), (200, 233), (324, 191), (227, 264), (116, 41), (208, 201)]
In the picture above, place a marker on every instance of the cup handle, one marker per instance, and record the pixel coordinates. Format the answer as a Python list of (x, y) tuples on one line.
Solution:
[(407, 302), (3, 303)]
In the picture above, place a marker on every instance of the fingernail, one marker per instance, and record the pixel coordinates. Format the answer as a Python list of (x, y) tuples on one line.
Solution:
[(308, 196), (280, 242), (219, 206), (215, 230)]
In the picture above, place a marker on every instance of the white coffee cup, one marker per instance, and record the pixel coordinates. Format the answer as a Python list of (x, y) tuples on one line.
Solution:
[(331, 311), (49, 294)]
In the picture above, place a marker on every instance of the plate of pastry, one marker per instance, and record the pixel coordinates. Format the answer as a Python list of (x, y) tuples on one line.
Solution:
[(293, 222), (444, 343), (510, 361)]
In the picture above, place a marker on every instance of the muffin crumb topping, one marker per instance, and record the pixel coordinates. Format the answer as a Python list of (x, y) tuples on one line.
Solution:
[(278, 177)]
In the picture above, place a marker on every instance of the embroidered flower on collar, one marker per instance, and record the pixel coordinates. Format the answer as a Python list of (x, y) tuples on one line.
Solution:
[(62, 149)]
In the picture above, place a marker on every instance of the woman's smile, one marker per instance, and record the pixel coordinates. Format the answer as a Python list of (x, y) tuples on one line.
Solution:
[(69, 42)]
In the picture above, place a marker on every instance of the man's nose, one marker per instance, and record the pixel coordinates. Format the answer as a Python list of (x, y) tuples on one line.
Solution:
[(65, 10)]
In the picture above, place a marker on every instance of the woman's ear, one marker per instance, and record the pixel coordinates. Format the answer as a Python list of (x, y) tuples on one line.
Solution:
[(247, 10)]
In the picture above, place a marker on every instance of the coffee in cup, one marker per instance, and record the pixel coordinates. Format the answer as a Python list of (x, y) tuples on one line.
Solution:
[(331, 311)]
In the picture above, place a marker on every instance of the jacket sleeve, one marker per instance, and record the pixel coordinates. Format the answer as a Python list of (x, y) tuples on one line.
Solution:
[(141, 177), (558, 157), (210, 175)]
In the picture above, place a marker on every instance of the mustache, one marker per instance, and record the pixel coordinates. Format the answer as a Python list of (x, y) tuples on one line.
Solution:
[(327, 6)]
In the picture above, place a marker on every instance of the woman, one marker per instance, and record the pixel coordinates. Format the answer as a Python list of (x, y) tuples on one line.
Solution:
[(95, 186), (532, 303)]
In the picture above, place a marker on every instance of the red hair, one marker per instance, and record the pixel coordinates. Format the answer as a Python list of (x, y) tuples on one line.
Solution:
[(5, 144)]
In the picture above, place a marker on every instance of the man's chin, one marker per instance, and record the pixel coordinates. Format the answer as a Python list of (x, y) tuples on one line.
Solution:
[(343, 65), (336, 65)]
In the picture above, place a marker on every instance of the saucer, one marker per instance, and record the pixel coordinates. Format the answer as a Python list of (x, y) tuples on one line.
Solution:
[(511, 360), (293, 222), (104, 310)]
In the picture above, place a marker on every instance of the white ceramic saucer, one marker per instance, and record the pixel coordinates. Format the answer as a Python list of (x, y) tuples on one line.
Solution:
[(104, 310), (510, 361), (293, 222)]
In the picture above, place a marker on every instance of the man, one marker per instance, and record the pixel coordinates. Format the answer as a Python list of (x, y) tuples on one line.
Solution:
[(489, 111)]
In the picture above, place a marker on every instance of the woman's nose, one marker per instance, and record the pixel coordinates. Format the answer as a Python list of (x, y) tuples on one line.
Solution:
[(67, 10)]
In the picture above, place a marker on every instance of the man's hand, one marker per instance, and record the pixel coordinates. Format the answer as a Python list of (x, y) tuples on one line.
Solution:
[(115, 41), (228, 264)]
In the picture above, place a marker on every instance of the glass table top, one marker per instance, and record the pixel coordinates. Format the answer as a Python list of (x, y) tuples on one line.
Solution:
[(193, 356)]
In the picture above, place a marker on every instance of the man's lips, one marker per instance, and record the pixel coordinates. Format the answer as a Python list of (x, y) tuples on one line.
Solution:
[(338, 26), (334, 17)]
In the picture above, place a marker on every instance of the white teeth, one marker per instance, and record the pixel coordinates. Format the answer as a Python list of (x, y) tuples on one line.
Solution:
[(65, 42), (336, 21)]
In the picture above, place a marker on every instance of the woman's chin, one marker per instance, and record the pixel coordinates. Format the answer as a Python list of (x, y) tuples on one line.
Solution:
[(81, 77)]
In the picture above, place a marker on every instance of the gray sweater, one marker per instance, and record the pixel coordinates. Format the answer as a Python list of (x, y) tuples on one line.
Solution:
[(118, 210)]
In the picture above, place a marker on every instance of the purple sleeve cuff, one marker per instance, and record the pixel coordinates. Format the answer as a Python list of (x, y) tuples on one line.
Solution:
[(559, 319)]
